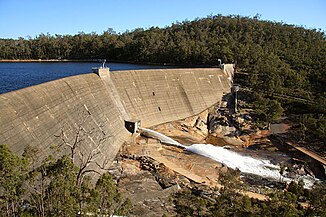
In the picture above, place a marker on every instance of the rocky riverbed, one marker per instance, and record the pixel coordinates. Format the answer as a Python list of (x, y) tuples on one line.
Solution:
[(149, 172)]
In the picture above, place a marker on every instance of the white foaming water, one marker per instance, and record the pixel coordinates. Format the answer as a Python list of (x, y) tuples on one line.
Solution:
[(245, 164), (232, 159), (161, 137)]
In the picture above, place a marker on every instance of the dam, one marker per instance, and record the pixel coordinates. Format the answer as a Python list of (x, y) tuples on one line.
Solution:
[(45, 115)]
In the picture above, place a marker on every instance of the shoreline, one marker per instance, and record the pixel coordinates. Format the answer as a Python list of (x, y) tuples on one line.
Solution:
[(79, 61), (46, 60), (101, 60)]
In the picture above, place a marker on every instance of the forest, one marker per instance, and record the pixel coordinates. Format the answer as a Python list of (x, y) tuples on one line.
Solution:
[(280, 67), (290, 58), (279, 59)]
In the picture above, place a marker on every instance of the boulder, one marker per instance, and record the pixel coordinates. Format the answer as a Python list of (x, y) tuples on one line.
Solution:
[(234, 141), (183, 181), (223, 170)]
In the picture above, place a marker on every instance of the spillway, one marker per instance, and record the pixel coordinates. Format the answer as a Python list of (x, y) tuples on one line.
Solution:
[(246, 164), (163, 138)]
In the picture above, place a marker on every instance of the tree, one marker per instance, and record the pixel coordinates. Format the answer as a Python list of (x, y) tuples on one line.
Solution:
[(267, 110), (318, 200), (187, 203), (59, 187), (85, 159), (296, 188), (36, 180), (12, 175), (58, 194), (105, 199), (61, 197)]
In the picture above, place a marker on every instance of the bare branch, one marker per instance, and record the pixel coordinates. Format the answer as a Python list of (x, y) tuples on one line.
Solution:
[(103, 166), (89, 171), (82, 134)]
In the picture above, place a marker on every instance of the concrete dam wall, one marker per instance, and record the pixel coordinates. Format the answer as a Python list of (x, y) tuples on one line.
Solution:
[(97, 105)]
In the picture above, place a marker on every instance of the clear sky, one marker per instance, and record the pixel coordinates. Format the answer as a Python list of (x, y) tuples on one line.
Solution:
[(22, 18)]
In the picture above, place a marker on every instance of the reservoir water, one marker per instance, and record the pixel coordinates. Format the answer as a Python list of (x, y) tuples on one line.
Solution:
[(14, 76)]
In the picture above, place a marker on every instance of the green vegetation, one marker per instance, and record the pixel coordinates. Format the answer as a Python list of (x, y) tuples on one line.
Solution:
[(266, 110), (281, 59), (285, 70), (12, 175), (275, 47), (53, 189), (294, 201), (313, 127)]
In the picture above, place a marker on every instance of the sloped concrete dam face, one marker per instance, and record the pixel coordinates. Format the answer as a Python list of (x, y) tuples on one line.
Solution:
[(97, 105)]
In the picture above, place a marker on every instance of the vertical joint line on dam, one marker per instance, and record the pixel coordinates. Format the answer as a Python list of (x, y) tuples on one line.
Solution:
[(104, 74)]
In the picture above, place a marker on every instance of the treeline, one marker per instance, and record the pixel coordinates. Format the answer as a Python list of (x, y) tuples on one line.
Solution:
[(286, 56)]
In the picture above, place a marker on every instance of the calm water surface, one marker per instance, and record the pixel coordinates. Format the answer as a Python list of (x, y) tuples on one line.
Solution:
[(14, 76)]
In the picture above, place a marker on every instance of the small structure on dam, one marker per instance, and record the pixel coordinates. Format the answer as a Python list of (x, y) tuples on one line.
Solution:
[(132, 125), (36, 115)]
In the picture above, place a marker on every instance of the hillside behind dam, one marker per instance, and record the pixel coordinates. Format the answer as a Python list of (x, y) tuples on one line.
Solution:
[(96, 106)]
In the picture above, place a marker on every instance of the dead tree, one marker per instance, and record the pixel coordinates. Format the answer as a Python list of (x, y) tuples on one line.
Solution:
[(85, 145)]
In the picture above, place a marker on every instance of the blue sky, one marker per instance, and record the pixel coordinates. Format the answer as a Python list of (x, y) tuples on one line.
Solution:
[(22, 18)]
